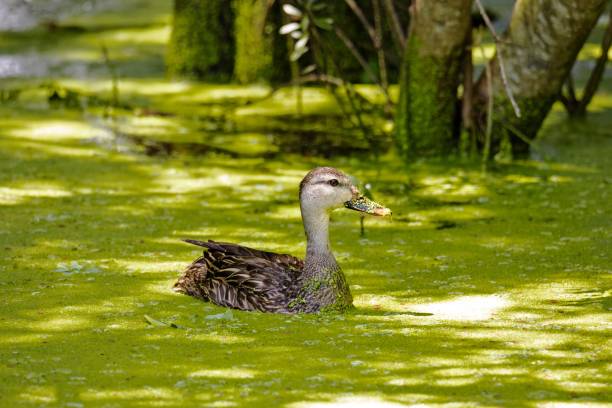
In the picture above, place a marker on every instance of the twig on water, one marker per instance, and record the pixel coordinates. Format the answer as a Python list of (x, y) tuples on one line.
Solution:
[(114, 77)]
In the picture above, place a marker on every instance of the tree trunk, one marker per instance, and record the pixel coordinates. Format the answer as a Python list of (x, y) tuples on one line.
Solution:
[(253, 45), (202, 43), (427, 109), (539, 49)]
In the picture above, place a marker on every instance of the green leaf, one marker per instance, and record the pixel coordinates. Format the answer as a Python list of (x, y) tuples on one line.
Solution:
[(309, 69), (305, 24), (324, 23), (297, 53), (155, 322), (227, 315), (318, 6), (159, 323)]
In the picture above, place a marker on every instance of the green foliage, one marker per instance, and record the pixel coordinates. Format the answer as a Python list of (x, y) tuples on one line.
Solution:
[(335, 58)]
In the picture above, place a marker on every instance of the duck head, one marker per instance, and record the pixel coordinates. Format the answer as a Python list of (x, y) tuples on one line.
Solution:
[(326, 188)]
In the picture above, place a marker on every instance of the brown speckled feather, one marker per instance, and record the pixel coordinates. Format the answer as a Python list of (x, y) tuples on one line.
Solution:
[(243, 278)]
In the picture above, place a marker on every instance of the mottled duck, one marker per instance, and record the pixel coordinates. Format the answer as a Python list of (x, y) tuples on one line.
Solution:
[(243, 278)]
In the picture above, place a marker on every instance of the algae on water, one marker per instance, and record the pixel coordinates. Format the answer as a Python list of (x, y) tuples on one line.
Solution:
[(482, 291)]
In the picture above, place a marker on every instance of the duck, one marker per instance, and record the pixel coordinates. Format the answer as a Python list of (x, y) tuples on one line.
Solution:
[(239, 277)]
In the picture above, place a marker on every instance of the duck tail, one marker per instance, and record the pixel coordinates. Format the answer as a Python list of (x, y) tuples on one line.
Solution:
[(198, 243), (210, 244), (179, 287), (190, 282)]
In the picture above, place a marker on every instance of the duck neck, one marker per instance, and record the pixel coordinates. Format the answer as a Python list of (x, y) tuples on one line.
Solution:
[(319, 258), (323, 285)]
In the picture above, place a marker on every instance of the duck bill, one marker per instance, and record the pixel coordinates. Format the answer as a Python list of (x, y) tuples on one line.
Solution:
[(364, 204)]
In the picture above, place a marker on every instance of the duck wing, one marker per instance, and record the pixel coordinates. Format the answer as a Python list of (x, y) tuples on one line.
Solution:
[(240, 277)]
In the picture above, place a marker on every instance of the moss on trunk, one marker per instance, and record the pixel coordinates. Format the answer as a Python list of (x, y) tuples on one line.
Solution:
[(202, 43), (253, 42), (426, 114)]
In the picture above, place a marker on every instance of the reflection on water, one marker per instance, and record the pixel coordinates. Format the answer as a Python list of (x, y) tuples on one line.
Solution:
[(37, 65), (61, 46), (22, 15), (19, 15), (29, 65)]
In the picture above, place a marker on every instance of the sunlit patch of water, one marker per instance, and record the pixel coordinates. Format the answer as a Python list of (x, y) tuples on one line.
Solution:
[(56, 130), (468, 308), (148, 392), (234, 372), (39, 394), (60, 324), (17, 194), (214, 337), (462, 308), (155, 265), (563, 404), (351, 401)]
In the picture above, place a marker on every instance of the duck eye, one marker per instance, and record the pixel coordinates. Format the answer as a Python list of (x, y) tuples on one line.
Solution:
[(333, 182)]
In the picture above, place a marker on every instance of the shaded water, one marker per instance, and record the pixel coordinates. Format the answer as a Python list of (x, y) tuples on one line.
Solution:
[(47, 45), (62, 40)]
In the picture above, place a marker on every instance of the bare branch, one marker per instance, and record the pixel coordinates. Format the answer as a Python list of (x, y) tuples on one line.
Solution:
[(487, 21), (349, 44), (382, 66), (375, 34), (519, 134), (359, 13), (571, 88), (600, 67), (486, 150), (396, 26), (564, 100), (353, 49), (468, 88), (502, 69), (324, 78)]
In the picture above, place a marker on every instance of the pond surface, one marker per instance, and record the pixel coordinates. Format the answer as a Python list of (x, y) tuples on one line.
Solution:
[(481, 291)]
